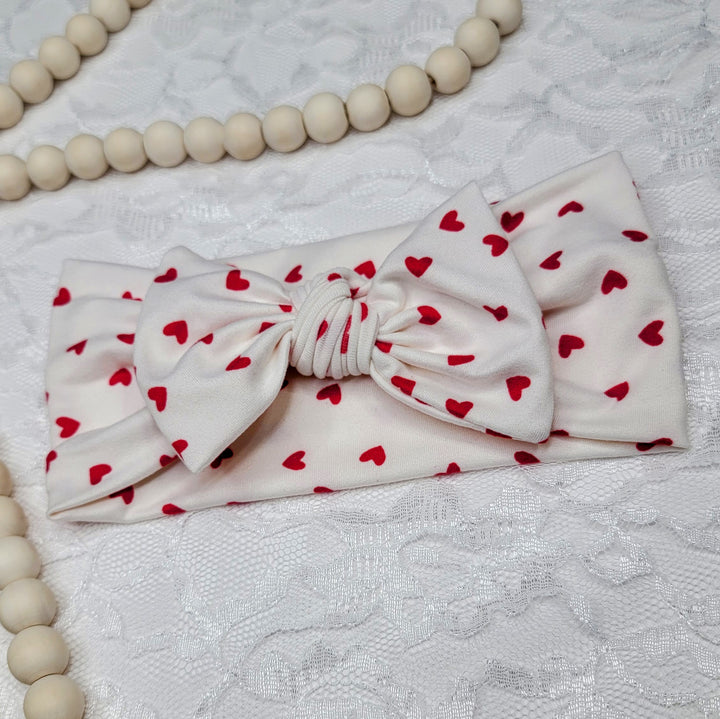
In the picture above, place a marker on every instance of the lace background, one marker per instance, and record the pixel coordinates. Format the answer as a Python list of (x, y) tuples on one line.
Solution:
[(579, 590)]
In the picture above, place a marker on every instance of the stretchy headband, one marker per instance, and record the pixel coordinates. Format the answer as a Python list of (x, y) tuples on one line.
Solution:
[(541, 329)]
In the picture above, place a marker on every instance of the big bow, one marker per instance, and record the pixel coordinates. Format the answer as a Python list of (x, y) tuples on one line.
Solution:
[(447, 325)]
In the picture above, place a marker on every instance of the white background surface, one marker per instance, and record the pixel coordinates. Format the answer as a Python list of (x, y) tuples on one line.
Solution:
[(580, 590)]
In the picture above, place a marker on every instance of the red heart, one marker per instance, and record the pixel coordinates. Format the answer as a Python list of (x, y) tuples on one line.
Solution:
[(98, 471), (68, 426), (374, 454), (128, 339), (645, 446), (172, 509), (227, 453), (418, 266), (264, 326), (322, 329), (363, 311), (650, 334), (127, 494), (169, 276), (404, 384), (493, 433), (570, 207), (619, 391), (128, 296), (51, 457), (180, 445), (498, 244), (450, 222), (62, 297), (166, 459), (499, 313), (452, 468), (525, 458), (552, 262), (322, 490), (177, 329), (159, 396), (234, 281), (459, 409), (77, 348), (331, 392), (366, 268), (516, 385), (286, 308), (560, 433), (334, 276), (239, 362), (613, 280), (295, 461), (635, 235), (428, 315), (122, 376), (383, 346), (345, 342), (294, 274), (568, 343), (459, 359), (509, 222)]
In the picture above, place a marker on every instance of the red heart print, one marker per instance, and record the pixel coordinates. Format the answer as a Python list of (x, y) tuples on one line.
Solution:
[(98, 471), (459, 409), (417, 266), (525, 458), (635, 235), (128, 339), (516, 385), (497, 244), (62, 297), (404, 384), (363, 311), (334, 276), (560, 433), (68, 426), (374, 454), (493, 433), (51, 457), (178, 330), (128, 296), (159, 396), (127, 494), (286, 308), (452, 468), (650, 334), (294, 275), (169, 276), (613, 280), (239, 362), (509, 221), (235, 282), (619, 391), (265, 326), (322, 329), (570, 207), (450, 222), (552, 262), (568, 343), (499, 313), (454, 360), (645, 446), (295, 461), (77, 348), (227, 453), (172, 509), (331, 392), (166, 459), (122, 376), (345, 342), (180, 445), (366, 268), (321, 490), (428, 315), (207, 339), (383, 346), (354, 291)]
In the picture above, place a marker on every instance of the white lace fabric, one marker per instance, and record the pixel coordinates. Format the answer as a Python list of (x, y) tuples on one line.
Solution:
[(588, 589)]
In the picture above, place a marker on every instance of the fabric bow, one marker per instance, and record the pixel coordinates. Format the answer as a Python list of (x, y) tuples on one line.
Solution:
[(447, 325)]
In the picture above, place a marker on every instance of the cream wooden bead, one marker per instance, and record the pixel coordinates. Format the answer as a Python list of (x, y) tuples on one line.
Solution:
[(5, 480), (479, 39), (124, 150), (283, 128), (36, 652), (14, 180), (87, 33), (54, 697), (204, 137), (368, 107), (85, 157), (243, 136), (137, 4), (449, 68), (324, 118), (47, 168), (25, 603), (11, 107), (12, 518), (506, 14), (164, 144), (18, 560), (60, 57), (408, 89), (113, 14), (31, 80)]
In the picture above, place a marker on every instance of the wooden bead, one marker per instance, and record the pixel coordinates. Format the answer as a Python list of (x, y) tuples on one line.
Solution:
[(124, 150), (54, 697), (11, 107), (31, 80), (5, 480), (449, 68), (113, 14), (87, 33), (409, 90), (25, 603), (47, 168), (164, 144), (36, 652), (479, 39), (60, 57), (85, 157), (204, 137), (506, 14), (324, 118), (368, 108), (18, 560), (14, 180), (12, 518), (243, 136), (283, 128)]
